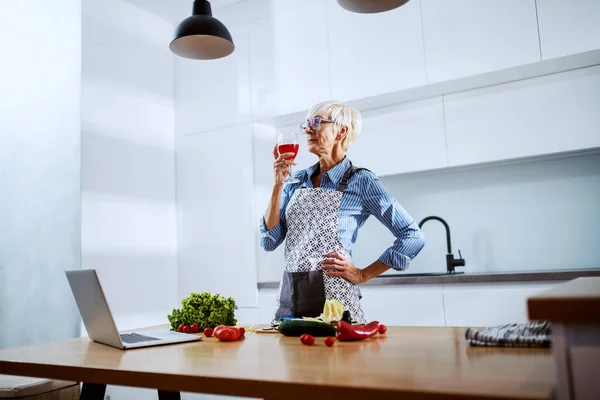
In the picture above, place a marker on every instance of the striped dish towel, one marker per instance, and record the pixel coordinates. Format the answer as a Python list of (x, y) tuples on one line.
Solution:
[(529, 334)]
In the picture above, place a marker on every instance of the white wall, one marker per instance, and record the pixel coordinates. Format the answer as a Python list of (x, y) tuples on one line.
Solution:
[(40, 214), (129, 230)]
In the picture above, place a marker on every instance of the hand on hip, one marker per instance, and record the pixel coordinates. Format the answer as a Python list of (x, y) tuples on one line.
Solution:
[(335, 264)]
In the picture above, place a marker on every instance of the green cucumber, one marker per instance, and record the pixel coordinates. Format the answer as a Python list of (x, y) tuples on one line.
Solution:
[(298, 327)]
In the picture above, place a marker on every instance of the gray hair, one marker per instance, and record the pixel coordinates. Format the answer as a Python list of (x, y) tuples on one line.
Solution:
[(343, 116)]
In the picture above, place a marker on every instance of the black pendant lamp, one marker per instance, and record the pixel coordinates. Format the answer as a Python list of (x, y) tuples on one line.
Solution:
[(201, 36), (370, 6)]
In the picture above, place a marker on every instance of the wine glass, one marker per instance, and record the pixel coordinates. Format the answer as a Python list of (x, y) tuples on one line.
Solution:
[(288, 143)]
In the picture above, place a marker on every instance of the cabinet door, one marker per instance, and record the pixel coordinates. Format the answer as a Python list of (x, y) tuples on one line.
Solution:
[(404, 138), (215, 93), (470, 37), (544, 115), (568, 26), (289, 59), (403, 305), (372, 54), (267, 304), (215, 194), (483, 305)]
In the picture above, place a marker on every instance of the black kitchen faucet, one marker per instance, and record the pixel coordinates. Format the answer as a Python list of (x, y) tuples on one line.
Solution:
[(451, 262)]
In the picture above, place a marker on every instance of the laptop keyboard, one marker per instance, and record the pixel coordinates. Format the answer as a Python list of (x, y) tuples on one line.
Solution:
[(136, 338)]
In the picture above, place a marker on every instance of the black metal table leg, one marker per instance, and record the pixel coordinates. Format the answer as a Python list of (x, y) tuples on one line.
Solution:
[(166, 395), (92, 391)]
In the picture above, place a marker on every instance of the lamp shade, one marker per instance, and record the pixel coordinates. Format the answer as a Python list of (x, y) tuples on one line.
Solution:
[(201, 36), (370, 6)]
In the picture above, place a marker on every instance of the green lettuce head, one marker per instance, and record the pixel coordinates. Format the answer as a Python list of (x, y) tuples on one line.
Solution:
[(205, 310)]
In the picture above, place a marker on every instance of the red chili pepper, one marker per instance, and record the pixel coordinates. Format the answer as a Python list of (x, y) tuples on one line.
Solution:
[(347, 332)]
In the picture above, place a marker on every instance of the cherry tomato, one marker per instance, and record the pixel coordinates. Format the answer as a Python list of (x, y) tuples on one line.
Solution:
[(208, 332), (194, 328), (186, 329), (309, 340), (329, 341), (382, 329), (180, 329), (242, 331), (303, 338)]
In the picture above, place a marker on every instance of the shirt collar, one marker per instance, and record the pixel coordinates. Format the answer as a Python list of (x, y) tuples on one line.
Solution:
[(335, 174)]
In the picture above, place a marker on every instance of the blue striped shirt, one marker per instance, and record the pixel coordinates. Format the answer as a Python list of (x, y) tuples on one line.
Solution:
[(364, 196)]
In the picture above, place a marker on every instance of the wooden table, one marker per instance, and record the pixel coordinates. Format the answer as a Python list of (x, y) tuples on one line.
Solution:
[(408, 362), (573, 308)]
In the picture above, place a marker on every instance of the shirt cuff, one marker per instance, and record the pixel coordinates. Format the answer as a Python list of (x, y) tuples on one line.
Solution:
[(272, 234), (395, 260)]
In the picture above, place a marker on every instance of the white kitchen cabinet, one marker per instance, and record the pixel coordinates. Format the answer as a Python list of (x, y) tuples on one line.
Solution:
[(489, 304), (397, 305), (289, 68), (215, 196), (470, 37), (404, 305), (404, 138), (373, 54), (267, 305), (213, 93), (568, 26), (247, 315), (545, 115)]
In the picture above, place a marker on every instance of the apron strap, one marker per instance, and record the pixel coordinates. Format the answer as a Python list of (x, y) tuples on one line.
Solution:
[(346, 178), (347, 175)]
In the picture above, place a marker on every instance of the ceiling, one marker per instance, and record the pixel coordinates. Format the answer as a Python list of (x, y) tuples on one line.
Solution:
[(177, 10)]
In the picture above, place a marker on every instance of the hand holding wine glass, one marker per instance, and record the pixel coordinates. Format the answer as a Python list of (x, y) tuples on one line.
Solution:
[(285, 153)]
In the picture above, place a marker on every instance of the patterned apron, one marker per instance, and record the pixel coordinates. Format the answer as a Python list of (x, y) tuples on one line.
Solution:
[(312, 231)]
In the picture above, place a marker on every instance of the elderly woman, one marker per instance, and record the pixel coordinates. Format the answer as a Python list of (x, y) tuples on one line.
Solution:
[(319, 218)]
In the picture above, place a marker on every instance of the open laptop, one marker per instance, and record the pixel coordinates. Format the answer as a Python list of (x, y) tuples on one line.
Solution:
[(99, 322)]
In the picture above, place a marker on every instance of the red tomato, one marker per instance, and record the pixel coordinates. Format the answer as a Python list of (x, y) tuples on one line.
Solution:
[(309, 340), (229, 334), (208, 332), (329, 341), (236, 335), (242, 331), (382, 329), (224, 334), (180, 329), (303, 338), (186, 329), (218, 329), (194, 328)]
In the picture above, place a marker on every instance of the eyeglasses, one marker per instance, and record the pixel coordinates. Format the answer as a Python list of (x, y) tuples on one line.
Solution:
[(314, 123)]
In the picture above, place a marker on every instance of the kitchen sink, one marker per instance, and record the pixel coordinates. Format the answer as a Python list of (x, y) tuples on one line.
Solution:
[(419, 274)]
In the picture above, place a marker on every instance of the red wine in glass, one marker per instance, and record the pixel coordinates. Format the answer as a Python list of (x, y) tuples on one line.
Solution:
[(288, 143), (288, 148)]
